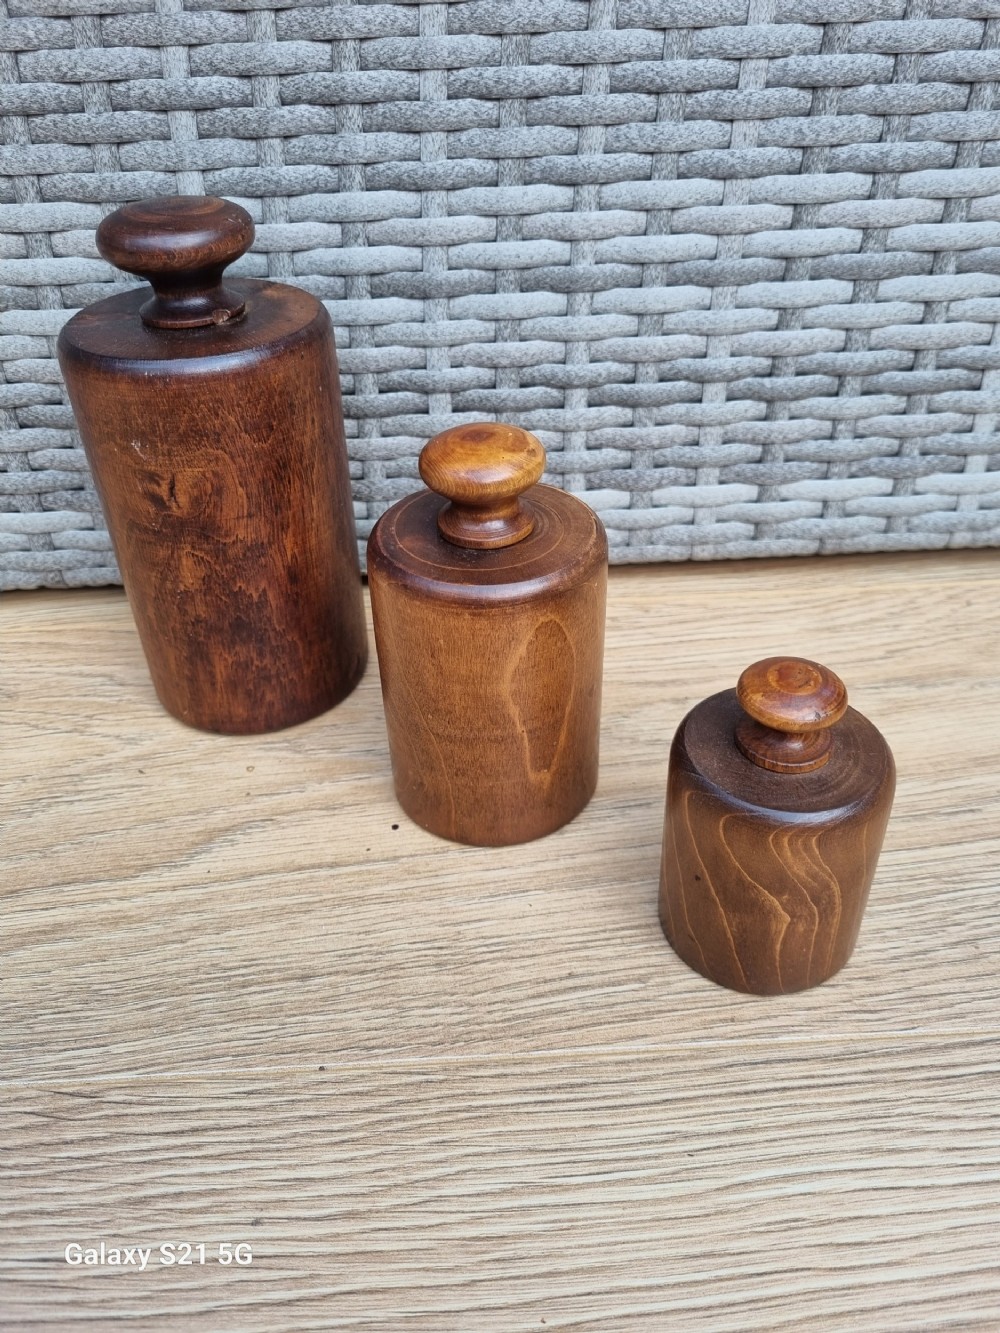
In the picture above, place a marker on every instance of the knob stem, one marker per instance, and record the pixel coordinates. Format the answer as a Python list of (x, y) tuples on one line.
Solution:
[(198, 299)]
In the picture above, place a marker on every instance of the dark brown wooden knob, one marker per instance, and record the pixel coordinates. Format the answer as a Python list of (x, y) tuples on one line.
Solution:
[(180, 245), (791, 705), (482, 469)]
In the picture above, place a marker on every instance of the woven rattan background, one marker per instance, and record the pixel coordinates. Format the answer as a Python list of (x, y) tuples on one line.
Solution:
[(737, 263)]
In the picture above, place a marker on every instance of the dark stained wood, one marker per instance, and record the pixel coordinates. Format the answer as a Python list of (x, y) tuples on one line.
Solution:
[(491, 659), (180, 246), (765, 875), (219, 456)]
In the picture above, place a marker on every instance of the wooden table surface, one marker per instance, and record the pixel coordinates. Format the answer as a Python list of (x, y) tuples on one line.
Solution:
[(443, 1088)]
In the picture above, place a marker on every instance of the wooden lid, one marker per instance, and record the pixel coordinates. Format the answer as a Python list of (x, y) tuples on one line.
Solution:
[(482, 469), (791, 705), (180, 245)]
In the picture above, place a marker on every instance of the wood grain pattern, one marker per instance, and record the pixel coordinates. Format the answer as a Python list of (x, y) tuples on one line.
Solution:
[(482, 469), (181, 246), (219, 456), (478, 1090), (766, 867), (790, 707), (489, 619)]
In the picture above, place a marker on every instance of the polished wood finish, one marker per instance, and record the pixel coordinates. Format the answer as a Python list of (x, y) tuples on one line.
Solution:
[(482, 470), (464, 1093), (791, 704), (180, 246), (219, 456), (792, 694), (490, 659), (766, 867)]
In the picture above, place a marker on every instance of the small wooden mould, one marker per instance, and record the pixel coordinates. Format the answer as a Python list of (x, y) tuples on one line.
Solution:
[(778, 797), (488, 594), (211, 417)]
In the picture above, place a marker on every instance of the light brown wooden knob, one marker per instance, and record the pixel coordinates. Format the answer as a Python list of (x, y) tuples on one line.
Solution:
[(791, 706), (180, 245), (482, 469)]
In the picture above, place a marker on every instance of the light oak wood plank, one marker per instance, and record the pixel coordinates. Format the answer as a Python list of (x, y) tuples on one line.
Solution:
[(454, 1088)]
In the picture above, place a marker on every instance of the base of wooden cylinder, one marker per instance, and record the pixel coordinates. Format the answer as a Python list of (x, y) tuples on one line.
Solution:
[(272, 709), (517, 820)]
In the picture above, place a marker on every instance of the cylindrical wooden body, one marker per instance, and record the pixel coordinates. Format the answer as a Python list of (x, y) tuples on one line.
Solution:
[(219, 457), (491, 664), (765, 876)]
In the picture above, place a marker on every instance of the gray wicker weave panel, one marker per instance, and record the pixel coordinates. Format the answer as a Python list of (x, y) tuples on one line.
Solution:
[(737, 262)]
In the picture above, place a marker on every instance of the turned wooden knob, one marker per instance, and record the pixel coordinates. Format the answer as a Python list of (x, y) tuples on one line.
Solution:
[(482, 469), (791, 705), (180, 245)]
